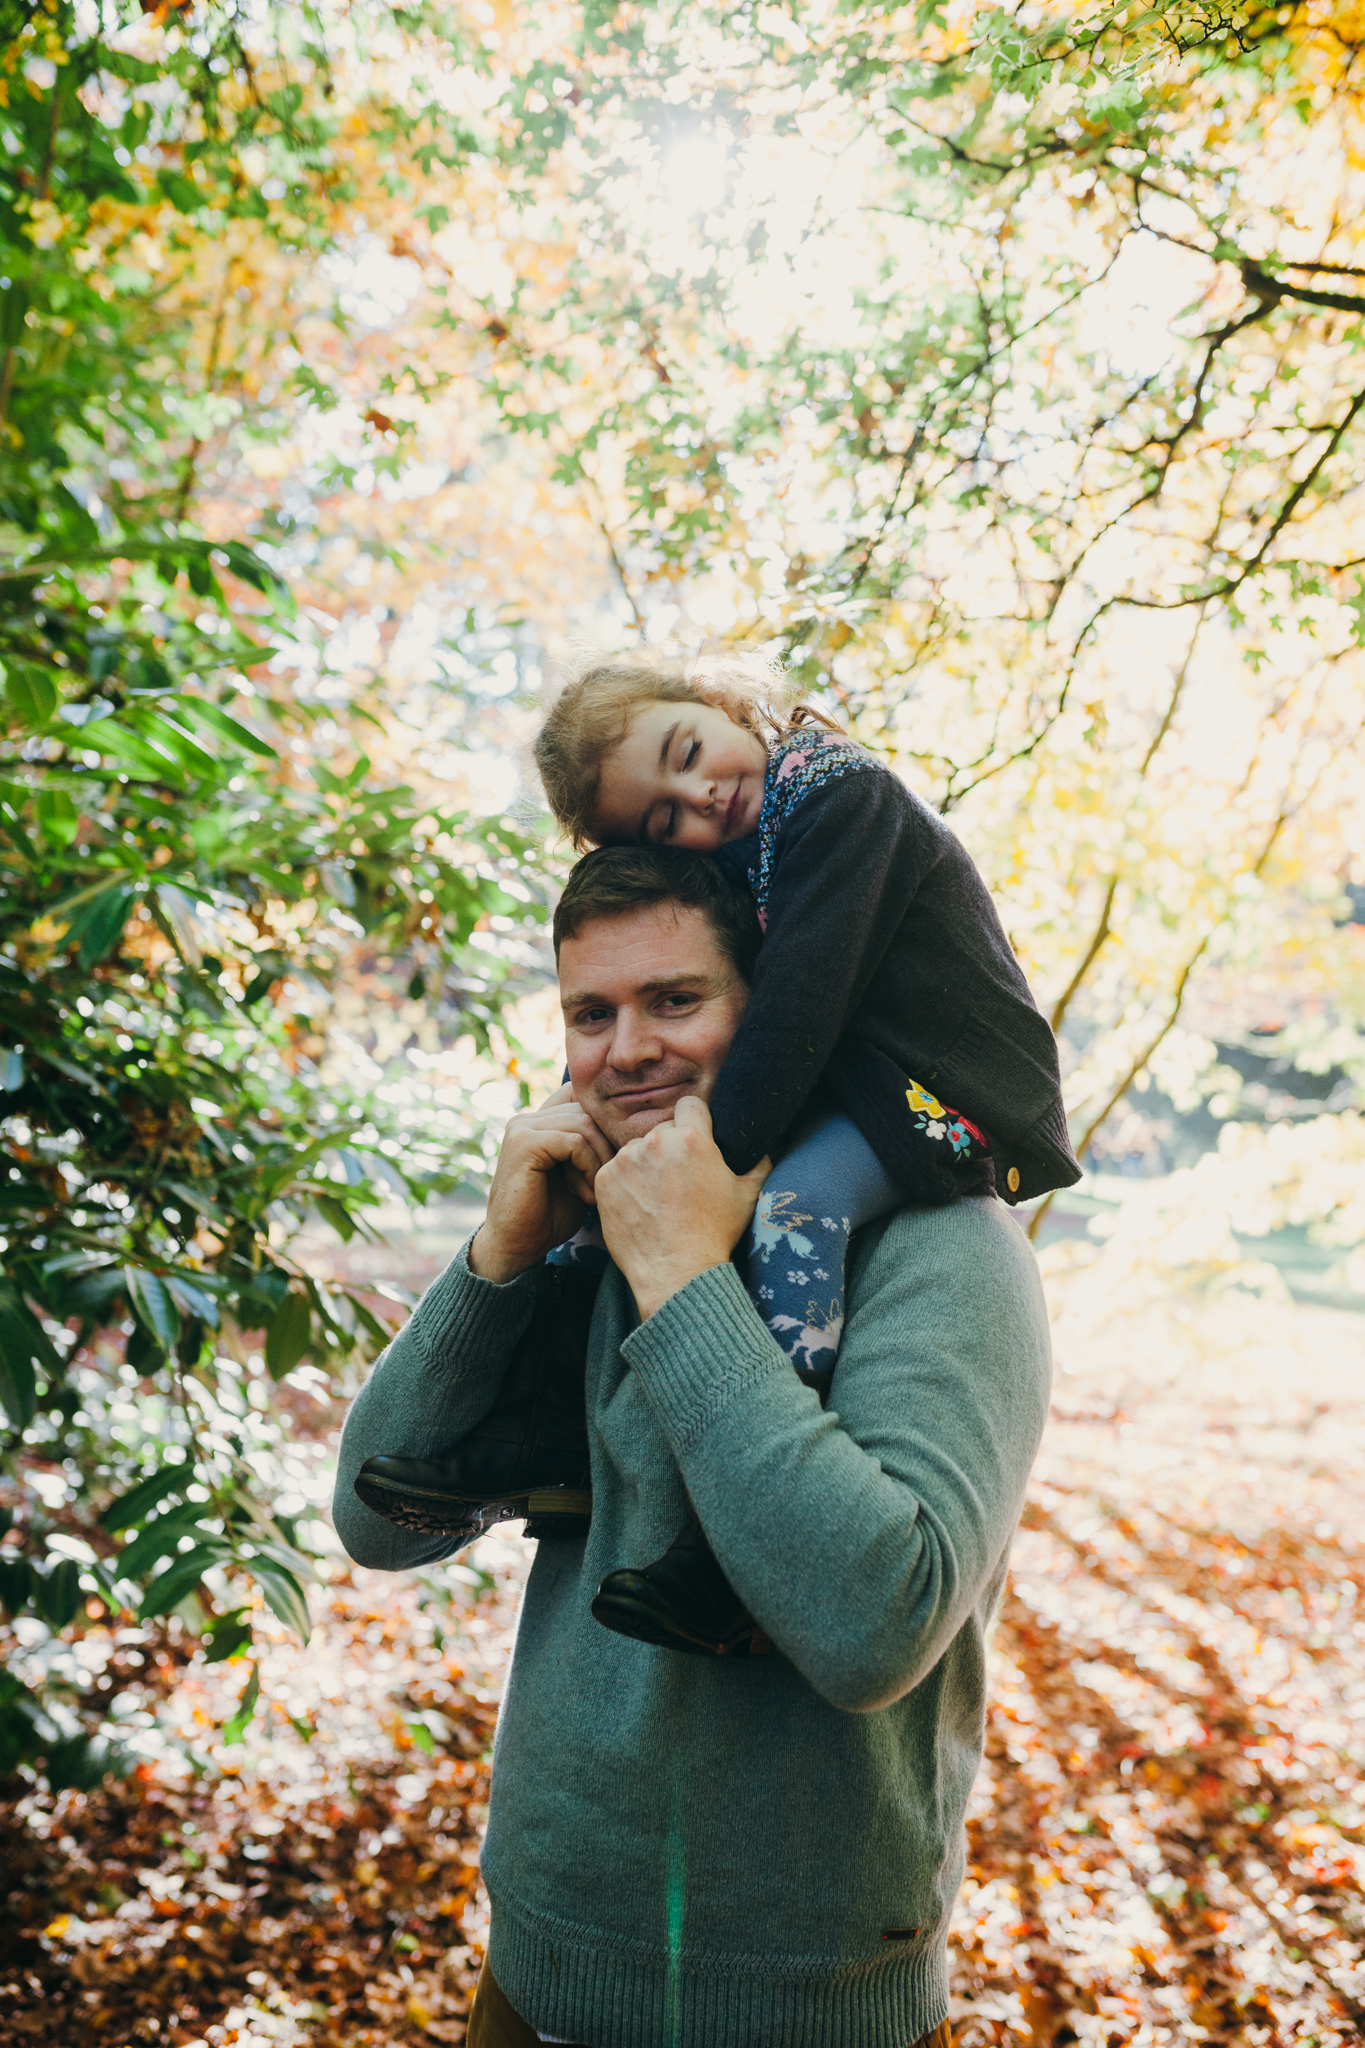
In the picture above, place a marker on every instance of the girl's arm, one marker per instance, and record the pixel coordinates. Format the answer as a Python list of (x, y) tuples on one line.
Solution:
[(849, 859)]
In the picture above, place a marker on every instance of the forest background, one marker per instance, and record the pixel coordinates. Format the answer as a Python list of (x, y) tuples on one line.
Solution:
[(998, 368)]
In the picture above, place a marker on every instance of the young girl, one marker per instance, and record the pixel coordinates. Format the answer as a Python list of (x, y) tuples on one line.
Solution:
[(885, 989)]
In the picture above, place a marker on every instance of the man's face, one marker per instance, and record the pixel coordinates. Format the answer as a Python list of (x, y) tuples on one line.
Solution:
[(650, 1007)]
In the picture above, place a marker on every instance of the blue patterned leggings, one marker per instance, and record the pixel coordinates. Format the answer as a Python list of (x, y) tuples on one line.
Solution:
[(827, 1186)]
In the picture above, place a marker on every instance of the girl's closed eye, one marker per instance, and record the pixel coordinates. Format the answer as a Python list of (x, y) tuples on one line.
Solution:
[(686, 777)]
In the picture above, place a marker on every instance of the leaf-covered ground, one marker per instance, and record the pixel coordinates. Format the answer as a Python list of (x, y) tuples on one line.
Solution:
[(1166, 1844)]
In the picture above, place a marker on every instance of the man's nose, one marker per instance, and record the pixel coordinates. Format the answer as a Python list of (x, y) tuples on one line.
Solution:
[(635, 1041)]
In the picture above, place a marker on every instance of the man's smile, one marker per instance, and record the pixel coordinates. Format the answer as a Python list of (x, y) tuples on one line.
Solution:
[(647, 1091)]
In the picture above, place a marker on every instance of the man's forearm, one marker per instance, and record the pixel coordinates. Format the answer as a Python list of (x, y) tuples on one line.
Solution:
[(861, 1539)]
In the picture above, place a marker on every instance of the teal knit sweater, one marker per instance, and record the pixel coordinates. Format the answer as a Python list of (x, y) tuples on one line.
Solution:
[(758, 1854)]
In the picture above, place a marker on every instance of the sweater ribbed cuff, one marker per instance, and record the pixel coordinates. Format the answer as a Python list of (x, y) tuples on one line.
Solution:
[(465, 1314), (699, 1350)]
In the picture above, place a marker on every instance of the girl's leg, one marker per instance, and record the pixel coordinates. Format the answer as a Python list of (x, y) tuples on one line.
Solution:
[(827, 1186)]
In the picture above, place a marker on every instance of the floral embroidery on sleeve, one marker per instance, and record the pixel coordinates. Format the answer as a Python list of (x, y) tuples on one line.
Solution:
[(930, 1116)]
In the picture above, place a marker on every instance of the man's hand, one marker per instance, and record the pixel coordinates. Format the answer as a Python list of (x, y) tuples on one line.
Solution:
[(542, 1187), (670, 1207)]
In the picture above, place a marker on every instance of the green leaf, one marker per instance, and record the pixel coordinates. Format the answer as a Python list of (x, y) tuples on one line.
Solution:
[(184, 196), (177, 920), (56, 1592), (112, 737), (96, 923), (334, 1212), (181, 1578), (138, 1502), (246, 1707), (57, 816), (14, 305), (89, 1294), (287, 1335), (246, 564), (17, 1383), (172, 741), (83, 1762), (11, 1069), (217, 720), (32, 693), (421, 1737), (193, 1301), (156, 1541), (18, 1393), (16, 1581), (227, 1638), (284, 1596), (151, 1298), (23, 1346)]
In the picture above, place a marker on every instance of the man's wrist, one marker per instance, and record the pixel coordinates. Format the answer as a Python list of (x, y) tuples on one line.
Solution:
[(661, 1283), (487, 1260)]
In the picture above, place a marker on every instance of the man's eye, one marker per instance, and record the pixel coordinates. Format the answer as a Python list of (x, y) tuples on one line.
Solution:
[(678, 1000), (592, 1017)]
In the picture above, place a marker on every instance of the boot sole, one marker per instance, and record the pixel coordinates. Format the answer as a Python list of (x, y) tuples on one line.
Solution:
[(633, 1618), (439, 1514)]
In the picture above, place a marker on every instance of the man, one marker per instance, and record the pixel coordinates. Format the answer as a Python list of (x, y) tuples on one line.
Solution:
[(687, 1853)]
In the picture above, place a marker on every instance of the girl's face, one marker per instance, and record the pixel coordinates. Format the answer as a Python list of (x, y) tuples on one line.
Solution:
[(684, 775)]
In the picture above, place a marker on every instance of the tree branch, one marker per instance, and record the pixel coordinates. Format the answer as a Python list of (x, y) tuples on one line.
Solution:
[(1101, 933)]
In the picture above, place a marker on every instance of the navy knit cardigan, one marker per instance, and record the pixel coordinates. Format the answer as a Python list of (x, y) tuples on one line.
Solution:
[(883, 961)]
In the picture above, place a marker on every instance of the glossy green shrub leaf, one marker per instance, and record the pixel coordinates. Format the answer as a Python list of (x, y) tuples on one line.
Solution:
[(135, 1505), (198, 711), (155, 1540), (95, 921), (156, 1309), (24, 1726), (32, 693), (227, 1637), (235, 1729), (180, 1579), (24, 1348), (56, 1592), (288, 1335), (284, 1595), (58, 816), (16, 1580), (84, 1761)]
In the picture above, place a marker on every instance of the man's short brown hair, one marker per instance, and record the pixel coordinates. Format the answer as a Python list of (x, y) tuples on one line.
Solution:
[(615, 879)]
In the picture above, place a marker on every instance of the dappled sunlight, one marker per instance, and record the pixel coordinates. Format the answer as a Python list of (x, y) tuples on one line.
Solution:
[(1166, 1839), (1165, 1842)]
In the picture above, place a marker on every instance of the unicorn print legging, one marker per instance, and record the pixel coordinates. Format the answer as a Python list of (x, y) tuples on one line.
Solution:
[(827, 1185)]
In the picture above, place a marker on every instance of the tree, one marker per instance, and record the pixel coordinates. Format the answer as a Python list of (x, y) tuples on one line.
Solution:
[(1000, 368), (184, 875), (1098, 590)]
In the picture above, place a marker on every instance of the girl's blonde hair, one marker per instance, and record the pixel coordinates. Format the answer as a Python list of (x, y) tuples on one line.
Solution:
[(603, 692)]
